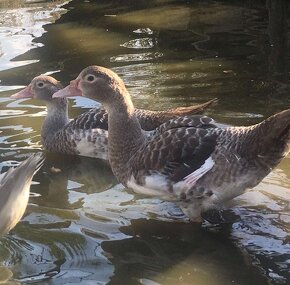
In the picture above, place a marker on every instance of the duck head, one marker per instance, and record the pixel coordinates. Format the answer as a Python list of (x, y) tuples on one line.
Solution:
[(97, 83), (41, 87)]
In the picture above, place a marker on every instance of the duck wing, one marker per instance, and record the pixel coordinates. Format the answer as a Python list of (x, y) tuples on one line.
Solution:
[(197, 121), (149, 120), (78, 141), (26, 168), (14, 191), (178, 154), (92, 119)]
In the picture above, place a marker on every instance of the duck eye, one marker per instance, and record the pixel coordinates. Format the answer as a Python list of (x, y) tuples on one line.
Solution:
[(90, 78), (40, 84)]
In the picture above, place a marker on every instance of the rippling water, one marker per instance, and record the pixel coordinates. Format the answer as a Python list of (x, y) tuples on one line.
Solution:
[(81, 226)]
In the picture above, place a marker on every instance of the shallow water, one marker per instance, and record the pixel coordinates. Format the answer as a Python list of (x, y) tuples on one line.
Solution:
[(81, 226)]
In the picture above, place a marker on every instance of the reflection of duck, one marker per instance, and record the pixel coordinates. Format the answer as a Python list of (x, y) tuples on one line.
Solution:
[(158, 252), (14, 191), (200, 166), (87, 134), (69, 179)]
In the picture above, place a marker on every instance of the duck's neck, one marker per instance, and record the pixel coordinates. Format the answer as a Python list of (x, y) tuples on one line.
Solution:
[(56, 118), (125, 136)]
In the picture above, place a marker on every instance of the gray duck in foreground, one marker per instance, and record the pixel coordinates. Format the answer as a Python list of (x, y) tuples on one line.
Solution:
[(14, 191), (87, 134), (199, 166)]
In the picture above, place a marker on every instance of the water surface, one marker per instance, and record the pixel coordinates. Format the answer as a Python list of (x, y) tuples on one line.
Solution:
[(81, 226)]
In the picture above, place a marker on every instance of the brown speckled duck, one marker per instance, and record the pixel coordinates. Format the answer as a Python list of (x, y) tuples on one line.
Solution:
[(199, 167), (87, 134), (14, 191)]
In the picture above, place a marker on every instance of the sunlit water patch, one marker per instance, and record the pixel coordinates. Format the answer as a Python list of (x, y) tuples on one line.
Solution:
[(18, 28), (147, 56), (264, 227), (143, 43)]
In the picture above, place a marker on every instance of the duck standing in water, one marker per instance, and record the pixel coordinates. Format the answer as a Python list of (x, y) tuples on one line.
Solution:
[(14, 191), (87, 134), (199, 167)]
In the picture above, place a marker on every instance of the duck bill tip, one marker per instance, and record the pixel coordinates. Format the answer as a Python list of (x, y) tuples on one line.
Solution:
[(24, 93)]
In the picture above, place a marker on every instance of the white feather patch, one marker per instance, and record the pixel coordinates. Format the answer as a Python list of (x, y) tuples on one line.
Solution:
[(155, 185), (85, 148), (96, 146), (192, 178)]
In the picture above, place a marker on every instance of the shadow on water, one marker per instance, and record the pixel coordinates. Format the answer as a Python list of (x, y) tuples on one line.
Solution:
[(178, 253), (83, 227)]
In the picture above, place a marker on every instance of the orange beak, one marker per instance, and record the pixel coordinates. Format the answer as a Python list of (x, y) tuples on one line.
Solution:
[(24, 93), (71, 90)]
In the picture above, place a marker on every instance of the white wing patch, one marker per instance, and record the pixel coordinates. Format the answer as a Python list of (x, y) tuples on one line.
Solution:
[(92, 143), (155, 185), (192, 178), (85, 148)]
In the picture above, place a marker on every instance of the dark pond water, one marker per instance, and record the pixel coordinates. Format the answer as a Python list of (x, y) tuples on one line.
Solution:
[(81, 227)]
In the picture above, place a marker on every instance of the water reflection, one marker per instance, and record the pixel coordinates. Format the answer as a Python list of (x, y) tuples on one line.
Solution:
[(54, 233), (176, 253), (147, 56), (143, 43), (81, 226), (19, 26), (278, 39), (265, 224)]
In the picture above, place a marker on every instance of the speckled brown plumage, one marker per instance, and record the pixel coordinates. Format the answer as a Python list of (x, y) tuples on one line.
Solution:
[(149, 120), (87, 134), (195, 162)]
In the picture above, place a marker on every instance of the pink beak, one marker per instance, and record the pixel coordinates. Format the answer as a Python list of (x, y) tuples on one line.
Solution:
[(24, 93), (71, 90)]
